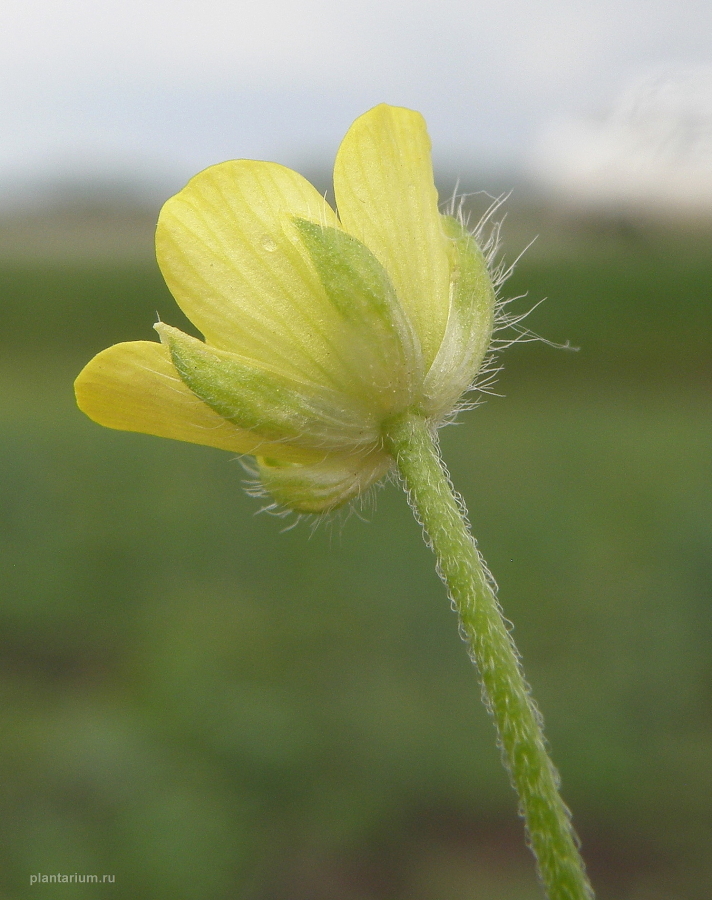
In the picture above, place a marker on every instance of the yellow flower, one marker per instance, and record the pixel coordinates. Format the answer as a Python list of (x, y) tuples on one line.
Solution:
[(318, 328)]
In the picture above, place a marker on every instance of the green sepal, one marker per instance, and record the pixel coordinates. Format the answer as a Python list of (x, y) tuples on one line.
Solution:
[(323, 486), (265, 402), (470, 322), (354, 280), (361, 290)]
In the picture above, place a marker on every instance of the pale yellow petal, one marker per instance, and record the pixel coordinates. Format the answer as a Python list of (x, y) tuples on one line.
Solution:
[(134, 387), (325, 485), (233, 259), (386, 197)]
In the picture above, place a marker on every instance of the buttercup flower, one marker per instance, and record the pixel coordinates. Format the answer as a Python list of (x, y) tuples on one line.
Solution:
[(319, 328)]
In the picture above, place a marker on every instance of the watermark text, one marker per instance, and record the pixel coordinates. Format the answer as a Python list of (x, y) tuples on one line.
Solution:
[(74, 878)]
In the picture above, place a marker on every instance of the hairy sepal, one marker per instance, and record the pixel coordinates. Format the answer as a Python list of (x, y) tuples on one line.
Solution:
[(469, 326), (267, 403), (385, 351), (324, 486)]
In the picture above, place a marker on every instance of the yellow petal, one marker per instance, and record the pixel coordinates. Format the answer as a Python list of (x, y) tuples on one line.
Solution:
[(323, 486), (134, 387), (232, 258), (386, 197)]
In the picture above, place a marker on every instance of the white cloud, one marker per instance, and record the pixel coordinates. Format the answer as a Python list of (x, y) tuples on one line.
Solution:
[(652, 153)]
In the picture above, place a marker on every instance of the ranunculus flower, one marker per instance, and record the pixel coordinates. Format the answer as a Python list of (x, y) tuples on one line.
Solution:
[(319, 328)]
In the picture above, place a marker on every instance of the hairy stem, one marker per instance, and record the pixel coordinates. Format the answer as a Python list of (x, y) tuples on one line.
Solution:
[(443, 517)]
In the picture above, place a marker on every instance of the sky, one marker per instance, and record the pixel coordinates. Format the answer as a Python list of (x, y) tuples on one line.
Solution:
[(159, 89)]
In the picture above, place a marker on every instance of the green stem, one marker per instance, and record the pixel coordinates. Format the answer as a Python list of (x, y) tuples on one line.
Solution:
[(413, 444)]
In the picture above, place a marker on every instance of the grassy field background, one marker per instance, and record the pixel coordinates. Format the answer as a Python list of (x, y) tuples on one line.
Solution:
[(209, 708)]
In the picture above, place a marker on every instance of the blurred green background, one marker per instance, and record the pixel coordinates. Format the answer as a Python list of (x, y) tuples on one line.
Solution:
[(208, 707)]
